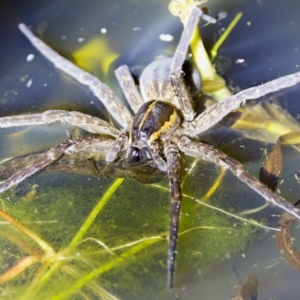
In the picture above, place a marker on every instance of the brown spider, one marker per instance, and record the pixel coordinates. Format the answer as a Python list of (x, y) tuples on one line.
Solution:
[(164, 125)]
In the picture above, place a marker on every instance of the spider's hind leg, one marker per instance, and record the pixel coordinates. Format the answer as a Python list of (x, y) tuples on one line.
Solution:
[(176, 77)]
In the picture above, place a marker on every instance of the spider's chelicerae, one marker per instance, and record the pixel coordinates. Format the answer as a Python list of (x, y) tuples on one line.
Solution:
[(164, 124)]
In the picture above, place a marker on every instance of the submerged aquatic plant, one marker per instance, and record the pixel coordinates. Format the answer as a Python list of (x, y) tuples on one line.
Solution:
[(66, 241)]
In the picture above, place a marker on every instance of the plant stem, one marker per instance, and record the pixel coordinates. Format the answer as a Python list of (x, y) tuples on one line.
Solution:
[(96, 210), (106, 267), (37, 283)]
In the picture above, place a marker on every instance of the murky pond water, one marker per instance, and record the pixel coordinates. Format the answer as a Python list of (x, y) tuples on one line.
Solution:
[(216, 252)]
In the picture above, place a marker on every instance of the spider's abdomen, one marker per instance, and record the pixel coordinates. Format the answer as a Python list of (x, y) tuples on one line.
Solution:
[(154, 120), (155, 80)]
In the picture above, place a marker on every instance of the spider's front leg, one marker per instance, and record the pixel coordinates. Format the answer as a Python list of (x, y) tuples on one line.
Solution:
[(174, 175), (99, 89), (77, 119), (149, 139)]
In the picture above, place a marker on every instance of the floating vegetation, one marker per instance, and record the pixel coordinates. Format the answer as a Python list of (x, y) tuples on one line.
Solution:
[(72, 243)]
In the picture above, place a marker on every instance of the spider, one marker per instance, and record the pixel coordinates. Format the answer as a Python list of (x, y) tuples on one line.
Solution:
[(164, 125)]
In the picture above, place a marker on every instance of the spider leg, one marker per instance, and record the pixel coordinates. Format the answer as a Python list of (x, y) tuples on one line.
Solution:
[(84, 156), (86, 122), (73, 160), (209, 153), (176, 76), (99, 89), (118, 145), (218, 111), (128, 87), (43, 161), (155, 152), (174, 175)]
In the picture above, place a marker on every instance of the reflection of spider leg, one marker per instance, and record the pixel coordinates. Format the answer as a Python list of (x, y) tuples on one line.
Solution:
[(70, 157), (49, 157), (77, 159), (218, 111), (209, 153), (86, 122), (128, 87), (100, 90), (174, 173), (13, 165)]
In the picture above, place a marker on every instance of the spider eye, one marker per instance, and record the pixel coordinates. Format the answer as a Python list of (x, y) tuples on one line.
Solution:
[(138, 134), (135, 133), (139, 156), (135, 155), (143, 134)]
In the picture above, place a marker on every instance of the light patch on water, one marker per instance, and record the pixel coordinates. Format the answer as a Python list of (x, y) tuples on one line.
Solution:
[(166, 37), (30, 57)]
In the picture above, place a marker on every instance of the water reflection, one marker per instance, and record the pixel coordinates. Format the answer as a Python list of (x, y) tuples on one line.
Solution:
[(266, 40)]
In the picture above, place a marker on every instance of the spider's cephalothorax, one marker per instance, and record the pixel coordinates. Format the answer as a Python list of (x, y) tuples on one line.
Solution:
[(153, 122), (155, 137)]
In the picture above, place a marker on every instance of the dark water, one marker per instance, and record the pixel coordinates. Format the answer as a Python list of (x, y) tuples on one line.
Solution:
[(266, 39)]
